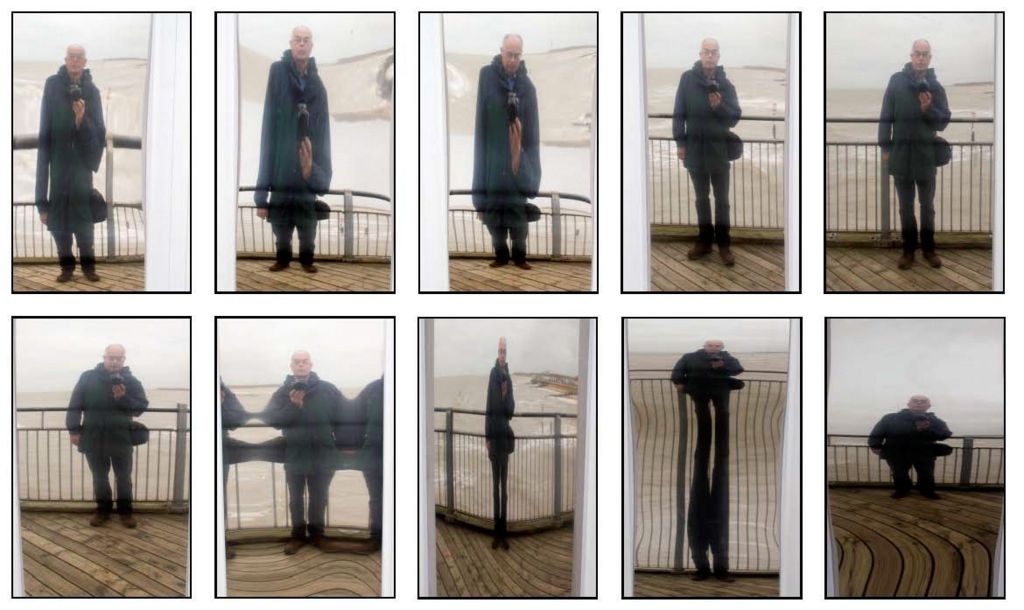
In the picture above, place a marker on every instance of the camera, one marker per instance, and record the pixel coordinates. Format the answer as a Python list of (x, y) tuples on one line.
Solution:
[(116, 379), (303, 131), (922, 87), (712, 86), (75, 92), (300, 386), (512, 106)]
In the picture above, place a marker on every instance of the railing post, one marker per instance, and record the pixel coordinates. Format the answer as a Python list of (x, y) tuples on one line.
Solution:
[(181, 429), (556, 226), (349, 224), (109, 194), (557, 512), (967, 462), (678, 549), (883, 184), (449, 467)]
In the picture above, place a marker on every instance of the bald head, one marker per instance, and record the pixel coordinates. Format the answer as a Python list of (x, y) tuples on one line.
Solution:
[(511, 53), (919, 403), (301, 44), (502, 350), (74, 61), (113, 357), (709, 54), (301, 364), (920, 54), (713, 346)]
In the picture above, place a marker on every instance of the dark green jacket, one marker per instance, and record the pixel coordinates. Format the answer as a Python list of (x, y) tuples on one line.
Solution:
[(309, 431), (497, 427), (897, 436), (103, 422), (695, 373), (906, 133), (698, 127), (67, 157)]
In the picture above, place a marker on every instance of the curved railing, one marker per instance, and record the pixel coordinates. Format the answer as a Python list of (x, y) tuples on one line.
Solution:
[(976, 461)]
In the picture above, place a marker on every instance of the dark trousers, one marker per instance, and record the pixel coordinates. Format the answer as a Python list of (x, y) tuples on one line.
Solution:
[(375, 486), (65, 256), (283, 238), (703, 182), (499, 477), (318, 483), (99, 465), (923, 463), (708, 514), (926, 195), (500, 236)]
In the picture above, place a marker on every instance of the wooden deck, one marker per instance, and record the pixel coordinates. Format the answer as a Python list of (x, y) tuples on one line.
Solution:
[(914, 547), (65, 557), (758, 268), (874, 270), (261, 569), (474, 275), (536, 565), (251, 275), (114, 277), (663, 584)]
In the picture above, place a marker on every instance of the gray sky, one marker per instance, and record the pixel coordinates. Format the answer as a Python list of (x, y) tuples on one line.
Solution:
[(758, 39), (481, 33), (348, 353), (50, 354), (863, 50), (335, 36), (681, 336), (469, 347), (876, 365), (45, 37)]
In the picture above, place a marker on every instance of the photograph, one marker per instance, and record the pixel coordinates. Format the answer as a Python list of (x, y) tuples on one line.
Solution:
[(920, 107), (915, 466), (712, 498), (303, 499), (115, 396)]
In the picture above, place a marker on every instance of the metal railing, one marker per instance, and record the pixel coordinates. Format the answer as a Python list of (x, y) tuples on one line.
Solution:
[(860, 193), (128, 216), (51, 469), (540, 471), (559, 234), (664, 432), (976, 461), (347, 234), (756, 181)]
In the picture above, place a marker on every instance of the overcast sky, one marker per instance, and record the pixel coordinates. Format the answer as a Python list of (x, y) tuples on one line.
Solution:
[(469, 347), (348, 353), (682, 336), (481, 33), (50, 354), (863, 50), (751, 39), (876, 365), (335, 36), (46, 36)]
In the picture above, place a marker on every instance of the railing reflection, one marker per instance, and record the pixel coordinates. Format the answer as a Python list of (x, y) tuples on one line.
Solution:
[(976, 461)]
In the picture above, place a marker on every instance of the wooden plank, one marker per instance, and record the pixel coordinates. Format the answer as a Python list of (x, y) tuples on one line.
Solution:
[(262, 569), (669, 585), (474, 275), (759, 268), (333, 276)]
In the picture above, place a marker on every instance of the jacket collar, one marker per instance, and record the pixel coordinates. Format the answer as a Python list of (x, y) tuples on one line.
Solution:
[(311, 382), (124, 372), (286, 57), (502, 77), (85, 80), (698, 69), (911, 78)]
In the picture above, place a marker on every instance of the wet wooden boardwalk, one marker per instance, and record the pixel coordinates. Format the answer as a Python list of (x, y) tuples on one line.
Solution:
[(261, 569), (664, 584), (536, 565), (874, 270), (914, 547), (114, 277), (65, 557), (758, 268), (251, 275), (474, 275)]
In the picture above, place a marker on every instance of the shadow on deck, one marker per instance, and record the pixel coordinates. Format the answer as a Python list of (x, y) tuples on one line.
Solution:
[(65, 557), (758, 268), (536, 565), (261, 569), (251, 275), (874, 270), (114, 277), (914, 547), (664, 584), (475, 275)]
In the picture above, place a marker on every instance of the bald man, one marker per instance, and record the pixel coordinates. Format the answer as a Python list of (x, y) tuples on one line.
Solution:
[(906, 439), (99, 419), (295, 151), (500, 440), (72, 138), (706, 376), (914, 109)]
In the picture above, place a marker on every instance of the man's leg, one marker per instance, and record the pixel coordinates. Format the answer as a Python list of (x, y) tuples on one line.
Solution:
[(85, 238), (908, 222), (503, 489), (319, 489), (500, 242), (283, 241), (375, 488), (700, 493), (495, 495), (924, 465), (517, 234), (900, 468), (99, 466), (720, 182), (702, 199), (123, 478), (297, 502), (719, 513), (926, 194), (307, 243), (65, 256)]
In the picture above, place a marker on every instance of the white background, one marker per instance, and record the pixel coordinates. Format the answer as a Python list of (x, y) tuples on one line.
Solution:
[(609, 306)]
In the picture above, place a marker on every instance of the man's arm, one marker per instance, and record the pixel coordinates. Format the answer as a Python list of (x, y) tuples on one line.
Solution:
[(877, 437), (528, 177), (266, 170), (134, 399), (728, 112), (885, 119), (43, 152), (732, 365), (679, 373), (91, 135), (679, 115), (319, 180), (73, 418), (938, 114), (938, 429), (280, 412), (480, 146)]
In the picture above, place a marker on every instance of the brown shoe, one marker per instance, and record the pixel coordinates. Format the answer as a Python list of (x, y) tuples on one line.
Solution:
[(65, 276), (92, 276), (933, 259), (496, 264), (728, 258), (99, 519), (699, 250), (293, 545), (310, 268), (278, 267), (333, 545), (525, 266), (129, 521), (906, 261)]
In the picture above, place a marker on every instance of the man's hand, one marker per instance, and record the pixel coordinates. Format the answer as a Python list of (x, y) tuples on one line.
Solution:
[(78, 107), (43, 217), (717, 364), (488, 446), (681, 153), (925, 98), (715, 99), (876, 450), (504, 389), (480, 216), (306, 158), (680, 387), (515, 143), (297, 397), (75, 438), (118, 390), (262, 212), (922, 424)]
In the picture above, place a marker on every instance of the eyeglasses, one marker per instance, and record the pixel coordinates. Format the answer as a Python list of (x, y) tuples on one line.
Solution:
[(709, 52), (920, 54), (303, 39), (75, 57), (511, 55)]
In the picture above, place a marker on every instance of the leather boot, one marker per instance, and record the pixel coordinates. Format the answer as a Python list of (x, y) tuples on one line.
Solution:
[(699, 250), (933, 259), (129, 521), (728, 258), (293, 545), (99, 518), (906, 261)]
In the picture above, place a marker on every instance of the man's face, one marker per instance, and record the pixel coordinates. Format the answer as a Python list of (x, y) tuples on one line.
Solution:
[(301, 43), (713, 347), (708, 54), (113, 359), (301, 364), (511, 54), (921, 56), (74, 61), (502, 353), (919, 404)]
